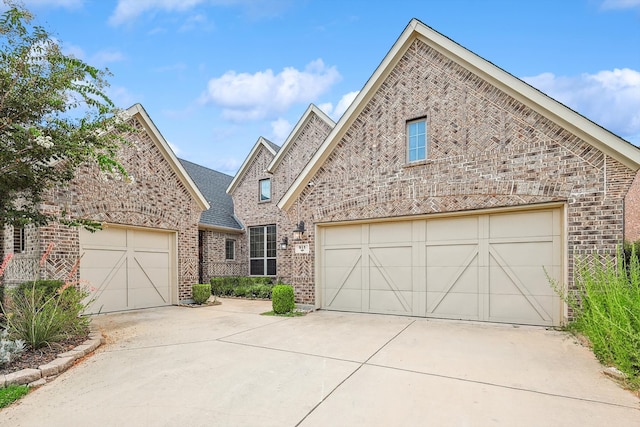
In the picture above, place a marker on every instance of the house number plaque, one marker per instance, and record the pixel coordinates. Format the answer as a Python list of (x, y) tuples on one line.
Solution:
[(302, 248)]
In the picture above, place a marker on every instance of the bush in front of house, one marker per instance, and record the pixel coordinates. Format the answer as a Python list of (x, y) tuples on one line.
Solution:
[(40, 316), (282, 299), (201, 292), (242, 287), (606, 307), (49, 287)]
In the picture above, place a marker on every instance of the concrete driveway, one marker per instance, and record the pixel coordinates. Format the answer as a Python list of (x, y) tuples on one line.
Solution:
[(228, 366)]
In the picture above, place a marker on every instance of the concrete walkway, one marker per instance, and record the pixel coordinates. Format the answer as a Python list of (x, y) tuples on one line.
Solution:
[(228, 366)]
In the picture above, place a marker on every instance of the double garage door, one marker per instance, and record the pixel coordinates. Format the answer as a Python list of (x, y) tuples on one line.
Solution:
[(490, 267), (128, 268)]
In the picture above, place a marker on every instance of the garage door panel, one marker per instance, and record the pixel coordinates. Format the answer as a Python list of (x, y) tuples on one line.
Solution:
[(147, 297), (128, 268), (385, 301), (390, 232), (517, 309), (341, 258), (348, 234), (536, 280), (391, 278), (108, 237), (521, 224), (478, 267), (151, 240), (396, 256), (345, 299), (525, 253), (458, 305), (459, 279), (450, 229), (451, 255)]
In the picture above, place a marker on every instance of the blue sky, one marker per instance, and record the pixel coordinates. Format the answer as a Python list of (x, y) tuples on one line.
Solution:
[(214, 75)]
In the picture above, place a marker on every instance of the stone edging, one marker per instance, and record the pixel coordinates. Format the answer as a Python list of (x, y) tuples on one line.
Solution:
[(39, 376)]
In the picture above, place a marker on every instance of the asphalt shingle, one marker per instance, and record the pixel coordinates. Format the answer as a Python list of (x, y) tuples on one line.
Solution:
[(213, 186)]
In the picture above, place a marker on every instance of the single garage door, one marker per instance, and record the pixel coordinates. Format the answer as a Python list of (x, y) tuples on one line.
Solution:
[(128, 268), (488, 267)]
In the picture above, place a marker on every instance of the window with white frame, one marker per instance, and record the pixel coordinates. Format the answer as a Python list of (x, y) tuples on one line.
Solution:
[(262, 250), (416, 140), (230, 249), (265, 190)]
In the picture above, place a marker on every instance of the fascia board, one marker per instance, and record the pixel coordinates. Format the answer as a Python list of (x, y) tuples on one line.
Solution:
[(347, 118), (296, 131), (602, 139), (168, 154), (609, 143), (245, 165), (219, 228)]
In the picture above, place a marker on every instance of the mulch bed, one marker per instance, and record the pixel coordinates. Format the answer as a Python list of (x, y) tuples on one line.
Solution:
[(31, 358)]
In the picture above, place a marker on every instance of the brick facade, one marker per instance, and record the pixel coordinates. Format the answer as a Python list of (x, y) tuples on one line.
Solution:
[(632, 212), (212, 246), (291, 268), (157, 198), (485, 150)]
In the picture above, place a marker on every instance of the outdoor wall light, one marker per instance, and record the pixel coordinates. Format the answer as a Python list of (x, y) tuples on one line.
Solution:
[(298, 231), (284, 243)]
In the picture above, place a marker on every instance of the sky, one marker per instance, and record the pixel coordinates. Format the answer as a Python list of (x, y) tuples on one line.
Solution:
[(215, 75)]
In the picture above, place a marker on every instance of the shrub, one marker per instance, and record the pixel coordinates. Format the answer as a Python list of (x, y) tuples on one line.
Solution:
[(9, 349), (259, 291), (282, 299), (11, 394), (40, 318), (240, 291), (242, 286), (606, 309), (49, 287), (201, 292)]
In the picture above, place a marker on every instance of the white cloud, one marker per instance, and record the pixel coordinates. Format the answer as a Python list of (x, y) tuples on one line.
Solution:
[(341, 107), (98, 59), (609, 98), (127, 10), (264, 94), (121, 96), (199, 21), (620, 4), (228, 165), (73, 50), (280, 129), (104, 57)]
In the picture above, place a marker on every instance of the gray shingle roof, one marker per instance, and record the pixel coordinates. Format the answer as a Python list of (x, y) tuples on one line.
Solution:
[(275, 147), (213, 186)]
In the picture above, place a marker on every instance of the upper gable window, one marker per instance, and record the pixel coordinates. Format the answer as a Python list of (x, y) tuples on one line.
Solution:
[(265, 190), (417, 140)]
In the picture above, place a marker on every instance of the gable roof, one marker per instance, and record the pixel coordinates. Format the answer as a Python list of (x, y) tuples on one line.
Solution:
[(261, 142), (609, 143), (139, 113), (213, 184), (308, 114)]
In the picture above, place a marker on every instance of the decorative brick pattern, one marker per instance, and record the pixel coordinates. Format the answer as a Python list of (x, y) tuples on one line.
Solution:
[(291, 268), (156, 199), (485, 150), (213, 251)]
